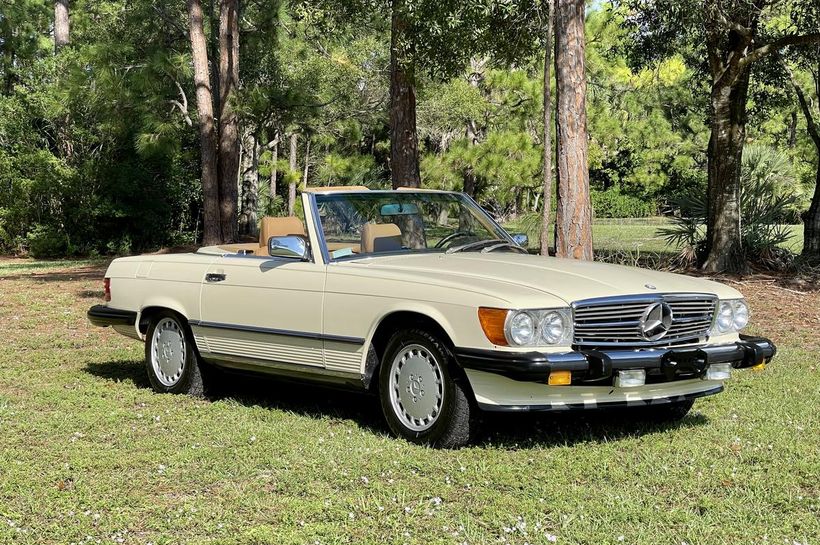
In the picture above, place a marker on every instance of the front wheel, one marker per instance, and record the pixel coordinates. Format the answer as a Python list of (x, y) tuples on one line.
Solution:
[(170, 358), (421, 399)]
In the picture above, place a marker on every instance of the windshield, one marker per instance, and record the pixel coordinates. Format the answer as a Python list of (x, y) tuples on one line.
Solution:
[(404, 221)]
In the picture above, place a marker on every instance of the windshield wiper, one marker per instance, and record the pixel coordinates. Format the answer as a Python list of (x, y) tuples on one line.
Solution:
[(470, 245), (496, 244), (491, 246), (509, 245)]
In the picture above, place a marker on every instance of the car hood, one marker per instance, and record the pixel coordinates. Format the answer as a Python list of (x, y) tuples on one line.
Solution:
[(506, 275)]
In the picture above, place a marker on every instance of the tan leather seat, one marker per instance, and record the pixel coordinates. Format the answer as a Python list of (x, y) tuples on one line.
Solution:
[(278, 227), (380, 237)]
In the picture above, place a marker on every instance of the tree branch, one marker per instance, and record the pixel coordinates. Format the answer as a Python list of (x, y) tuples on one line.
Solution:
[(804, 105), (777, 45), (183, 106)]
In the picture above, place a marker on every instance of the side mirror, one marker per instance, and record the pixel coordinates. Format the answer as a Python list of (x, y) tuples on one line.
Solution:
[(521, 239), (290, 247)]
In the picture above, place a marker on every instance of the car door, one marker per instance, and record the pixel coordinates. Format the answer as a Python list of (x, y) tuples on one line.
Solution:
[(263, 312)]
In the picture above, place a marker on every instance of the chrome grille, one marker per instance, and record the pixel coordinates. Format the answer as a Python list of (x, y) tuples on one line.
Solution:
[(616, 321)]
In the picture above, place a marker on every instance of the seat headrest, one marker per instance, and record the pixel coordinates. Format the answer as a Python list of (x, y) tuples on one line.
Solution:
[(380, 237), (279, 227)]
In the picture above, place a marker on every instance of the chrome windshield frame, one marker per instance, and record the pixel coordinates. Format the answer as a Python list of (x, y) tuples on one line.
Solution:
[(322, 242)]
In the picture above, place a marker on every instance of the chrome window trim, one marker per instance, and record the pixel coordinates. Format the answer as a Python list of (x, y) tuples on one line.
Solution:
[(282, 332), (317, 225)]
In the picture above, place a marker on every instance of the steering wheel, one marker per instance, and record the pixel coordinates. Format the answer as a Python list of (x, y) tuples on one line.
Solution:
[(452, 236)]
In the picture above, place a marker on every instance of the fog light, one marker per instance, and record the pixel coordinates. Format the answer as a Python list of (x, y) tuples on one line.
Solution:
[(560, 378), (630, 378), (719, 371)]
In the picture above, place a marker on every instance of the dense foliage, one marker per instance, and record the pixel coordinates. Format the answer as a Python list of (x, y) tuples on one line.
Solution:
[(768, 199), (99, 151)]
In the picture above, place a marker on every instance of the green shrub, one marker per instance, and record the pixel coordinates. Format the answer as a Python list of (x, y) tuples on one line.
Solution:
[(46, 241), (614, 204)]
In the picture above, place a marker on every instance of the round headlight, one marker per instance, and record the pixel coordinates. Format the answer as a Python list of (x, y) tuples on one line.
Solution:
[(741, 314), (725, 317), (552, 328), (522, 328)]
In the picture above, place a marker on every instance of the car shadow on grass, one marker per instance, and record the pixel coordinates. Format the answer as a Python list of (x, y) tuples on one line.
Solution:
[(506, 431), (309, 400), (529, 430)]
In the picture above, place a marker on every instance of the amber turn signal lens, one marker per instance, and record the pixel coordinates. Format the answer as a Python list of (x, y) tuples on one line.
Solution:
[(492, 322), (560, 378)]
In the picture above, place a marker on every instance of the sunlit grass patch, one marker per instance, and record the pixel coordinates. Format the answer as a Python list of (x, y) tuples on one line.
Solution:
[(89, 452), (20, 265)]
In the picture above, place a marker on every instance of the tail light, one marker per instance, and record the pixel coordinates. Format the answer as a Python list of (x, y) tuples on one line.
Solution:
[(107, 288)]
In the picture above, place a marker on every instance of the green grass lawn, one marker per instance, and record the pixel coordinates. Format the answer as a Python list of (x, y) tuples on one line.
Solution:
[(640, 235), (88, 454)]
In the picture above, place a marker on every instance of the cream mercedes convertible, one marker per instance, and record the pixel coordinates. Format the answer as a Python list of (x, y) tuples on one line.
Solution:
[(420, 297)]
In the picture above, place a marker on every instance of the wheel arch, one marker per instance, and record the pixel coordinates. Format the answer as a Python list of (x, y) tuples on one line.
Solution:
[(149, 311), (395, 320)]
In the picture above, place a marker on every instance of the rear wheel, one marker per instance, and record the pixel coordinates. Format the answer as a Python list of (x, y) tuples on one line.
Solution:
[(421, 399), (170, 358)]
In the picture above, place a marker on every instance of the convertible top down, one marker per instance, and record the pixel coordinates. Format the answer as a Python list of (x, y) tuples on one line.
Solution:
[(421, 297)]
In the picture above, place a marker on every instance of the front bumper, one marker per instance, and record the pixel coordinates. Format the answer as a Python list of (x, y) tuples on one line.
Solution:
[(103, 316), (593, 367)]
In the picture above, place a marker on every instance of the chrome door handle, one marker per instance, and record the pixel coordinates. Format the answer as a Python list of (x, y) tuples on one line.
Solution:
[(215, 277)]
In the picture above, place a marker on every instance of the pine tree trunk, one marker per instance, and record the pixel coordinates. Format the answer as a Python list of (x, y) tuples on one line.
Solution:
[(469, 177), (63, 142), (404, 147), (811, 221), (548, 189), (472, 132), (274, 158), (307, 162), (294, 143), (723, 240), (574, 214), (228, 121), (811, 218), (793, 129), (250, 186), (212, 231), (61, 24)]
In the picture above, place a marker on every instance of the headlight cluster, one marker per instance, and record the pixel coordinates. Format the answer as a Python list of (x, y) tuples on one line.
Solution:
[(537, 327), (732, 315)]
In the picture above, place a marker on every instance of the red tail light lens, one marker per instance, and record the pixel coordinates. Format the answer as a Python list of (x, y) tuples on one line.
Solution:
[(107, 288)]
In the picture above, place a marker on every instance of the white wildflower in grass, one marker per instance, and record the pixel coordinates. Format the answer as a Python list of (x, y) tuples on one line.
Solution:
[(551, 538), (365, 480), (436, 501)]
